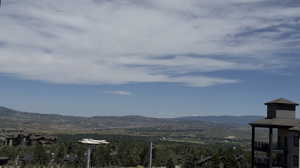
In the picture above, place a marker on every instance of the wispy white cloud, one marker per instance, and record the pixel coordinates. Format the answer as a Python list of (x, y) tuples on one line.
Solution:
[(129, 41), (120, 92)]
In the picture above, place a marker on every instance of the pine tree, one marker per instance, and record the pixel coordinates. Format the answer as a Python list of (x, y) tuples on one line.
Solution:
[(170, 163)]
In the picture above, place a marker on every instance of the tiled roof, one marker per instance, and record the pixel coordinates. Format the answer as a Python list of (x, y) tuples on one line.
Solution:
[(281, 101)]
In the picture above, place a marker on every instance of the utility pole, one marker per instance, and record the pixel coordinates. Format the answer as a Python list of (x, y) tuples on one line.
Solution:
[(89, 156), (150, 156)]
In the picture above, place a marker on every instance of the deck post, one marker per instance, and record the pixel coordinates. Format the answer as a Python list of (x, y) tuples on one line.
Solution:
[(252, 147), (299, 153), (270, 146)]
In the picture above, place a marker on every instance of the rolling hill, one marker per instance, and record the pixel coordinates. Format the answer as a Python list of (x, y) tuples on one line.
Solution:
[(10, 118), (208, 126)]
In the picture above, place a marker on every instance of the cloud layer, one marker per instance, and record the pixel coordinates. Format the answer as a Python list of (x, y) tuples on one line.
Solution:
[(119, 92), (137, 41)]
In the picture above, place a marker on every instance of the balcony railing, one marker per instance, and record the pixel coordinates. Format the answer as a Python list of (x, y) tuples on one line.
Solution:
[(264, 162), (264, 146)]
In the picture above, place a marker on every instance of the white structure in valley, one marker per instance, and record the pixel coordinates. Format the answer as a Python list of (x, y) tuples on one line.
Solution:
[(90, 143)]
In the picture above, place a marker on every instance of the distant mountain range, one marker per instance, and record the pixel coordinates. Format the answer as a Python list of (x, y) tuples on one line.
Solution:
[(228, 120), (10, 118)]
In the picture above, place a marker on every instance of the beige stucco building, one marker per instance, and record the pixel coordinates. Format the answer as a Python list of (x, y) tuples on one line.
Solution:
[(281, 151)]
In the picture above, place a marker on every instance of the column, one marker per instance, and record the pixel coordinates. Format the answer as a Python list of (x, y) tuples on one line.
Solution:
[(299, 152), (252, 147), (270, 146)]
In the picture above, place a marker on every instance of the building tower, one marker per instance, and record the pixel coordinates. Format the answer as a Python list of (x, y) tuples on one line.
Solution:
[(281, 117)]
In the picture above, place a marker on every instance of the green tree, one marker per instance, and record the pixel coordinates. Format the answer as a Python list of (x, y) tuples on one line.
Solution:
[(144, 155), (60, 153), (39, 155)]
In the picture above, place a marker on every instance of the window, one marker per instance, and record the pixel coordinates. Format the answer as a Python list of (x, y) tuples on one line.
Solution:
[(295, 160), (296, 141), (285, 141), (279, 141)]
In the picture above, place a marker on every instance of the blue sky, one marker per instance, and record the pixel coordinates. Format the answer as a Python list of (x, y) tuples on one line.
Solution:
[(161, 58)]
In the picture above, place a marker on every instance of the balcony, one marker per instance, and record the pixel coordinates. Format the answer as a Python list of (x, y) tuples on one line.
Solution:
[(264, 147), (263, 162)]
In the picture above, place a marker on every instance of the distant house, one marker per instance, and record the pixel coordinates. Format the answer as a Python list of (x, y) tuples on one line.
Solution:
[(11, 137), (41, 139), (284, 153), (17, 137), (3, 160)]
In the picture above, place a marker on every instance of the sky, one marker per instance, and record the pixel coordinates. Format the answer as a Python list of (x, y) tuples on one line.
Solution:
[(157, 58)]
